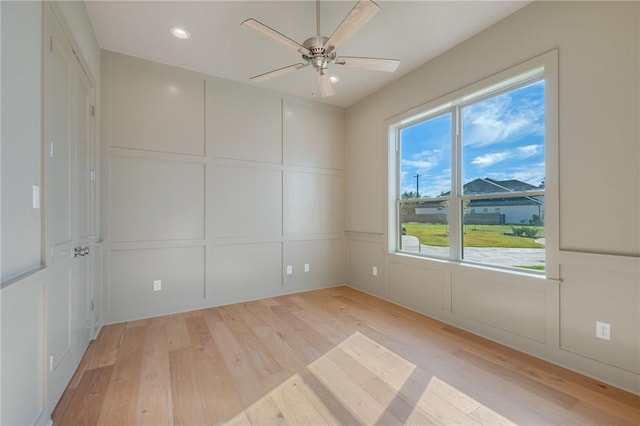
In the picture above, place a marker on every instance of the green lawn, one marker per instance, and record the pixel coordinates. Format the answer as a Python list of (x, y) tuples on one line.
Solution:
[(474, 235)]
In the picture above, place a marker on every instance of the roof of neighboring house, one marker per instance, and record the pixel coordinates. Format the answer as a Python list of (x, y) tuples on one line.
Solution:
[(499, 202), (486, 185), (489, 186), (491, 202), (492, 186)]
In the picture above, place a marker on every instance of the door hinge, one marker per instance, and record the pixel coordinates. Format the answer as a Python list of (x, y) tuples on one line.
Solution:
[(93, 304), (92, 110), (51, 149), (50, 43), (92, 175)]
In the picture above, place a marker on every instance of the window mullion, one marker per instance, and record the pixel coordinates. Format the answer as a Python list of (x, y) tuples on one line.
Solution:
[(455, 236)]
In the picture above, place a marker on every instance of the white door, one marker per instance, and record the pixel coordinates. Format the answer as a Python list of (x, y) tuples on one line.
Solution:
[(68, 220), (84, 222)]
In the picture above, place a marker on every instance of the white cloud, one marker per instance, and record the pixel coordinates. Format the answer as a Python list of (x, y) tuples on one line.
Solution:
[(528, 150), (424, 160), (420, 164), (490, 159), (499, 119), (532, 174)]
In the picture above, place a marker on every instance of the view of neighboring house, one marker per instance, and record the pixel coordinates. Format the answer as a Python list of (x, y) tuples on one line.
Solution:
[(493, 211)]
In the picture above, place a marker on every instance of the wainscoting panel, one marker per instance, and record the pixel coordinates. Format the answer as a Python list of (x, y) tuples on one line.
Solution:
[(23, 351), (243, 123), (517, 306), (415, 287), (601, 288), (133, 272), (312, 127), (326, 262), (313, 203), (244, 202), (155, 200), (242, 272), (155, 108)]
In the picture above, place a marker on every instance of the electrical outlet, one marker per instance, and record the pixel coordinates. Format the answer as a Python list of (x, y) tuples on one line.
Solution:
[(307, 268), (374, 271), (603, 330), (157, 285), (289, 270)]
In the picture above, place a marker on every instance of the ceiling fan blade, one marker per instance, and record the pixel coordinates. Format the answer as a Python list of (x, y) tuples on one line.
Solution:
[(359, 15), (274, 35), (377, 64), (275, 73), (326, 88)]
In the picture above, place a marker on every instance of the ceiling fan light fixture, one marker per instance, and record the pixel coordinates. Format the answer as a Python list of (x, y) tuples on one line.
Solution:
[(179, 32)]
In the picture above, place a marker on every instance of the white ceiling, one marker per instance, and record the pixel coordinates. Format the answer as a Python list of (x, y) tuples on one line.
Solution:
[(411, 31)]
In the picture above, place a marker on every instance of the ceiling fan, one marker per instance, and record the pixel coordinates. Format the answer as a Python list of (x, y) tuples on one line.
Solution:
[(320, 51)]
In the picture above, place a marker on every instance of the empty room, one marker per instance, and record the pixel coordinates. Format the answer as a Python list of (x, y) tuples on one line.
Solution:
[(320, 212)]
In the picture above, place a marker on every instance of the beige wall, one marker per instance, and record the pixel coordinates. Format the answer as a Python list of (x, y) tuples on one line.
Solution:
[(214, 187), (599, 207)]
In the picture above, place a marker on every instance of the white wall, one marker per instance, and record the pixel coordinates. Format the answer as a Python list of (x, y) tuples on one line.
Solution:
[(599, 162), (214, 187), (22, 384), (25, 386), (21, 223), (21, 125)]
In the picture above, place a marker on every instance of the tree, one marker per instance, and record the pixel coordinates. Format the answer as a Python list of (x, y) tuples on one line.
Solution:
[(409, 194)]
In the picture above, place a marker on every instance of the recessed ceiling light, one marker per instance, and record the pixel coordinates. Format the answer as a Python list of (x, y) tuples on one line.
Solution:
[(180, 32), (334, 79)]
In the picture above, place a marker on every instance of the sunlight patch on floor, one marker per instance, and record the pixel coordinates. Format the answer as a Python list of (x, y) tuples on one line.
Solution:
[(375, 385)]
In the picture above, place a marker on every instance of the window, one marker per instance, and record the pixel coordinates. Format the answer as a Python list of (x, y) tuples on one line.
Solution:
[(468, 173)]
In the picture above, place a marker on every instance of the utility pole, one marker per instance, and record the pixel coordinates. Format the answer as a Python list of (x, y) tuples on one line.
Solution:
[(417, 176)]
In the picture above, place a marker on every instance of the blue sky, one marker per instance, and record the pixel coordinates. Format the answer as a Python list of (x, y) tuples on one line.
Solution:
[(503, 138)]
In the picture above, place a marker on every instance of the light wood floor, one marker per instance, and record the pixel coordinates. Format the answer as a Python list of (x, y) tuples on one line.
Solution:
[(334, 356)]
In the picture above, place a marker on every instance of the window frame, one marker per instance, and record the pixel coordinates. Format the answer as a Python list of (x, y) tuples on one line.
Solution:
[(543, 67)]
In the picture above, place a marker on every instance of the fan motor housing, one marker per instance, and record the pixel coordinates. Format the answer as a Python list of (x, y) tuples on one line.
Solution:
[(315, 44), (318, 56)]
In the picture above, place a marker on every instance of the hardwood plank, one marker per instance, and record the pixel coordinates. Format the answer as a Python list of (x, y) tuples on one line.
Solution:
[(553, 396), (296, 408), (323, 396), (397, 374), (177, 333), (63, 405), (84, 408), (249, 383), (154, 404), (240, 419), (106, 346), (261, 359), (356, 399), (265, 412), (331, 356), (221, 398), (188, 407), (298, 346), (315, 339), (120, 403), (398, 407)]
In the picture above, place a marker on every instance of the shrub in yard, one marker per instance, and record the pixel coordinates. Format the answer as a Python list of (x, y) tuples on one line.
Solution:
[(524, 231)]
